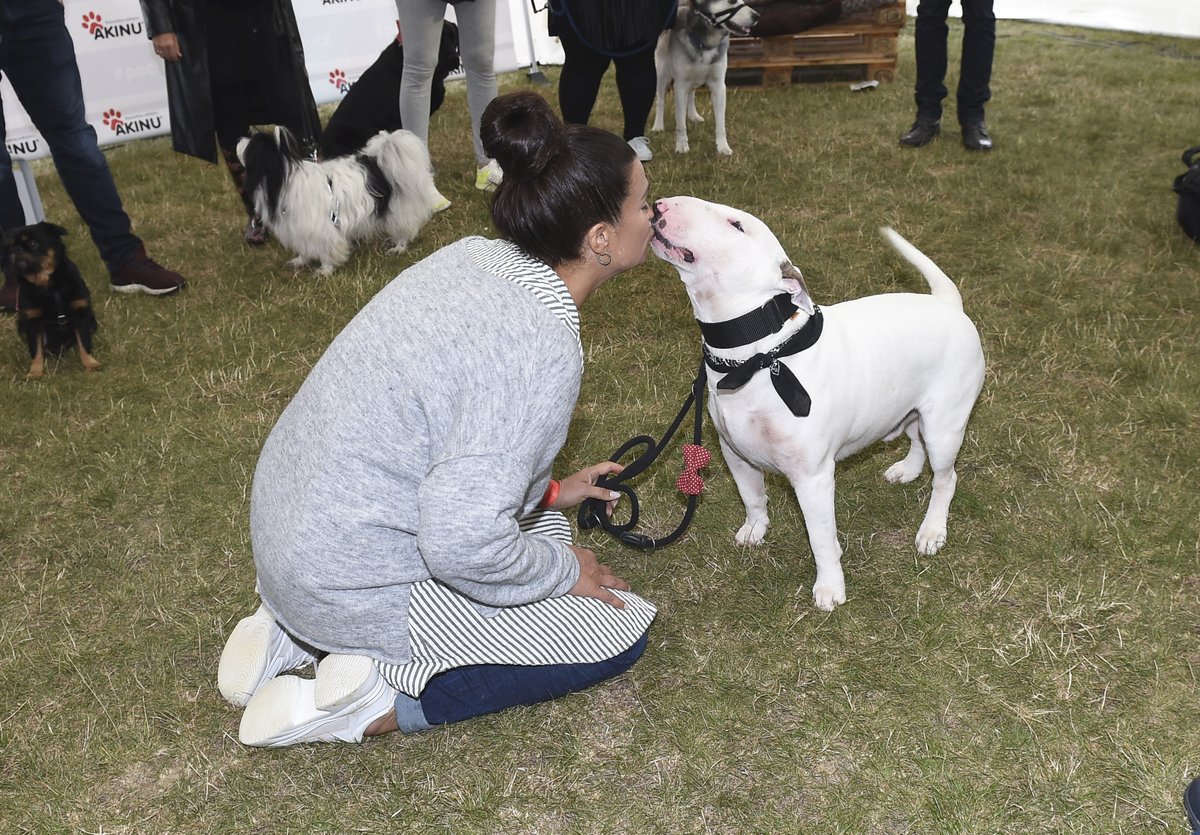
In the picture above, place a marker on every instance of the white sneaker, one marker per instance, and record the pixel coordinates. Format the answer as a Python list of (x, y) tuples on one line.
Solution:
[(441, 203), (489, 176), (342, 679), (284, 712), (257, 650), (641, 147)]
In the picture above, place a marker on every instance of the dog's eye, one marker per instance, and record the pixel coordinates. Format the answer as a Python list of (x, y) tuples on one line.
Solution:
[(737, 224)]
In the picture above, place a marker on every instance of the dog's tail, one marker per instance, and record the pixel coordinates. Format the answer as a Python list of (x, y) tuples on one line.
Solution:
[(400, 154), (939, 283)]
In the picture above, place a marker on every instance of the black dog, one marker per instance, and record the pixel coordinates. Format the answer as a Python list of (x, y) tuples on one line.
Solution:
[(373, 103), (54, 307)]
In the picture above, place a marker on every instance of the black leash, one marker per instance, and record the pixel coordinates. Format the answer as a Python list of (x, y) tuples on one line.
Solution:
[(593, 512)]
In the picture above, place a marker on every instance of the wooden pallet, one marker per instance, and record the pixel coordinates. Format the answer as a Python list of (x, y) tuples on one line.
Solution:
[(861, 46)]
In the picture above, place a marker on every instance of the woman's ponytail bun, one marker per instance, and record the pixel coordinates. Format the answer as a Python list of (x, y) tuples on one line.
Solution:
[(523, 134)]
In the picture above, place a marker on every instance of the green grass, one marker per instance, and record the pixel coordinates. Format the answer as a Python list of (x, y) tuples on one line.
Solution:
[(1039, 675)]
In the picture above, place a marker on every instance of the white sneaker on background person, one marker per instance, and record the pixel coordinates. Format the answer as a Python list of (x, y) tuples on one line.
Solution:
[(641, 147)]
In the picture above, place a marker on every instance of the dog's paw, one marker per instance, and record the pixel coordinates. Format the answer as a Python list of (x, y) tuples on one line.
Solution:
[(399, 248), (90, 364), (901, 472), (695, 117), (930, 539), (724, 150), (751, 533), (682, 146), (298, 262), (829, 597), (35, 374), (326, 269), (657, 126)]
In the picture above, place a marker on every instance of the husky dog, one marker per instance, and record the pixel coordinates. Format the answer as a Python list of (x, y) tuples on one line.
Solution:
[(695, 52), (320, 209)]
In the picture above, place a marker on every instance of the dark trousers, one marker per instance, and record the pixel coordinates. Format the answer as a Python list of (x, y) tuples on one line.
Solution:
[(579, 83), (37, 56), (466, 692), (979, 44)]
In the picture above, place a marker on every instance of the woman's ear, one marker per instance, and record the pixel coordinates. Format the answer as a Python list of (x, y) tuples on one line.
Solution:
[(596, 241)]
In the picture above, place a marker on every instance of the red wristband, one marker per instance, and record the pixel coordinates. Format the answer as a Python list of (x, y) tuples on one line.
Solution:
[(551, 494)]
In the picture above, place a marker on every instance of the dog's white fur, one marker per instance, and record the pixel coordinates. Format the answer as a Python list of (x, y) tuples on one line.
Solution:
[(884, 365), (325, 207), (694, 53)]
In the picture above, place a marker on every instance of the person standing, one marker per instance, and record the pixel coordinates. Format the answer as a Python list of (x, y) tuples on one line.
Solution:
[(38, 58), (979, 44), (232, 64), (596, 33), (421, 32)]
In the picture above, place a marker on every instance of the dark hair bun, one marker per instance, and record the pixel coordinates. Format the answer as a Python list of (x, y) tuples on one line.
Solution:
[(522, 133)]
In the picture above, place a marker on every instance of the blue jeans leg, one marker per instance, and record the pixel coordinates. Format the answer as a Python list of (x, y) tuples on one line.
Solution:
[(38, 57), (466, 692)]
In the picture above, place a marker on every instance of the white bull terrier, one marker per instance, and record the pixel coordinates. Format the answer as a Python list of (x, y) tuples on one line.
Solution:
[(794, 388)]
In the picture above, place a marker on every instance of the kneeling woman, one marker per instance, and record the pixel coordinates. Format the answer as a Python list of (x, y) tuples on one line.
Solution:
[(404, 523)]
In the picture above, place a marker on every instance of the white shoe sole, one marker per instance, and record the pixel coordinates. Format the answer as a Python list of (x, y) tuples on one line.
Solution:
[(342, 679), (142, 288), (257, 650)]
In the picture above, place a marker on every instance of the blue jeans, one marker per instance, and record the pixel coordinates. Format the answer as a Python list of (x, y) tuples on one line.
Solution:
[(38, 57), (975, 74), (466, 692)]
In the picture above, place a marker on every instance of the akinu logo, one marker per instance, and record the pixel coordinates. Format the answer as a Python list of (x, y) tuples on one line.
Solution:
[(122, 127), (23, 148), (338, 79), (99, 31)]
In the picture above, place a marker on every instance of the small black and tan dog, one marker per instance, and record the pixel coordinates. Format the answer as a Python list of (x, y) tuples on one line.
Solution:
[(54, 307)]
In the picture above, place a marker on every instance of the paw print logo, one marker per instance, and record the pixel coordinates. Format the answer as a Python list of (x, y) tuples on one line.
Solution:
[(92, 23), (112, 118), (338, 79)]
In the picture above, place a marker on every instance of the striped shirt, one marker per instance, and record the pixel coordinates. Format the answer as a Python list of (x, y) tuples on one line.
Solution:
[(446, 630)]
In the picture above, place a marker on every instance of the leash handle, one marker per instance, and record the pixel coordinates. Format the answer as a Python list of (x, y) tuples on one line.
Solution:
[(593, 512)]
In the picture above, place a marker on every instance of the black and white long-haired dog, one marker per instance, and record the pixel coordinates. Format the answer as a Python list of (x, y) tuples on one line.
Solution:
[(320, 209), (54, 307)]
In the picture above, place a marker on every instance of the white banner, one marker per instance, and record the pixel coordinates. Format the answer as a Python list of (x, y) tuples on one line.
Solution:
[(124, 84)]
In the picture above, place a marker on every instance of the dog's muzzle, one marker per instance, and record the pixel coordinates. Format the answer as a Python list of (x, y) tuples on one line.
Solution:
[(662, 245)]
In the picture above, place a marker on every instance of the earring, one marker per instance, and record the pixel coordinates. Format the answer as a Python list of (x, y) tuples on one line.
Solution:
[(603, 259)]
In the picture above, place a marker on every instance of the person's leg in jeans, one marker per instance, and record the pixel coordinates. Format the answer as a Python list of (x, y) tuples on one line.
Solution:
[(931, 35), (477, 48), (421, 29), (637, 82), (979, 45), (579, 82), (467, 692), (38, 57)]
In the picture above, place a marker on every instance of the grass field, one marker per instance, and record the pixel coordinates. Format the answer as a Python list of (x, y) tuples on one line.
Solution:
[(1037, 676)]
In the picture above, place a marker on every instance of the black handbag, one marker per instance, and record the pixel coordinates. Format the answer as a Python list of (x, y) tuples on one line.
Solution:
[(1187, 186)]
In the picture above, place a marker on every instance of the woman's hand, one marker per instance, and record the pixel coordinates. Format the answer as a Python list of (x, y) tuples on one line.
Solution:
[(582, 485), (596, 580), (166, 46)]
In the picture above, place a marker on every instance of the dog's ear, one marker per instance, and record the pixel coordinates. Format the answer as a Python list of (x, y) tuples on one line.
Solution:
[(53, 228), (793, 282)]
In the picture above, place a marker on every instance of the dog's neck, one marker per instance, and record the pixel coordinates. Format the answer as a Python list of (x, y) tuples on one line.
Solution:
[(765, 321)]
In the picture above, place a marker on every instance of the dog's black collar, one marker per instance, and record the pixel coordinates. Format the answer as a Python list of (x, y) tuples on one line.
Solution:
[(789, 389), (750, 327)]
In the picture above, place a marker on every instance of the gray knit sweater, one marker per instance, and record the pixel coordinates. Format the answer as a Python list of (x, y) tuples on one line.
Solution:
[(427, 428)]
